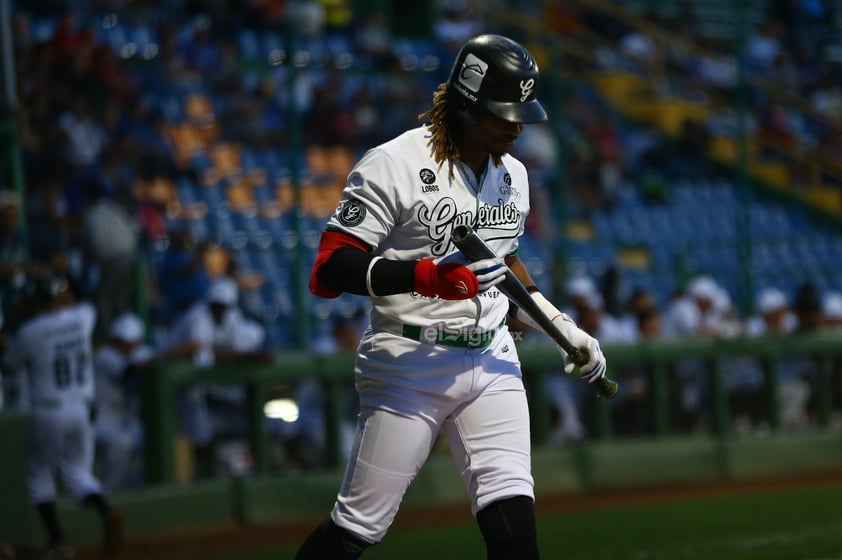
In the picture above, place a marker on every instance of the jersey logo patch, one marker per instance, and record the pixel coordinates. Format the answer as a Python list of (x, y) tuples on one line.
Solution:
[(427, 176), (473, 72), (352, 213)]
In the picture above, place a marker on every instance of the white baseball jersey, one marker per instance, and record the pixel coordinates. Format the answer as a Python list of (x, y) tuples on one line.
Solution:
[(402, 203), (235, 332), (55, 351), (119, 432), (112, 403)]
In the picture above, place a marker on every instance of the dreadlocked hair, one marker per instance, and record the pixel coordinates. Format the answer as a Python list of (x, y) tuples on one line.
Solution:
[(440, 123), (441, 143)]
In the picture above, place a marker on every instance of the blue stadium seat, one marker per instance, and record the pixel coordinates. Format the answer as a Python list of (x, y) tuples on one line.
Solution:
[(248, 45)]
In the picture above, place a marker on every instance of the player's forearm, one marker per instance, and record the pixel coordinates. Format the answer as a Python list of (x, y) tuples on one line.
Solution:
[(351, 270), (519, 270)]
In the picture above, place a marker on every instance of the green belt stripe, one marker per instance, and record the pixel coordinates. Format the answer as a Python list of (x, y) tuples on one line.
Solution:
[(460, 340)]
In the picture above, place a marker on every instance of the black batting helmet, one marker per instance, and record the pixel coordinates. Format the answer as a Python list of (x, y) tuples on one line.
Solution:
[(499, 75)]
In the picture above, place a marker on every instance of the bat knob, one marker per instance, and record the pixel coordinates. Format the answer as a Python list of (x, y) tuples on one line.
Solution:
[(460, 233), (606, 388)]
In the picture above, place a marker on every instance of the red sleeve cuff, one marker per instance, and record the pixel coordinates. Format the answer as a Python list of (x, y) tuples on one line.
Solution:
[(330, 242)]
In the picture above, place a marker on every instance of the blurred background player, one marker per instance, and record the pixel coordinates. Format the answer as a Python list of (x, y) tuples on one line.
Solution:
[(53, 347), (119, 433), (218, 331)]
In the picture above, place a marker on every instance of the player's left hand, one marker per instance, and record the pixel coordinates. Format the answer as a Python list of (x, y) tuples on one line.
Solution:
[(595, 367)]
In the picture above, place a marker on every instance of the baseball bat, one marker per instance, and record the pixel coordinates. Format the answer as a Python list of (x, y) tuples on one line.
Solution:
[(475, 248)]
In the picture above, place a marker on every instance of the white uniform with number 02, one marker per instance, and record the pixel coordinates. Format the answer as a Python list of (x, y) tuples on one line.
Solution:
[(404, 205), (54, 349)]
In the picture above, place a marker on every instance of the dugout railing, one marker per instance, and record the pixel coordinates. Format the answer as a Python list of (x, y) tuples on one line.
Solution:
[(656, 361)]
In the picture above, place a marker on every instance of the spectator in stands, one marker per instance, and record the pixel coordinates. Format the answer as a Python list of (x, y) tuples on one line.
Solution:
[(793, 371), (774, 315), (642, 302), (631, 412), (203, 53), (13, 245), (581, 290), (744, 376), (111, 238), (372, 39), (455, 23), (640, 48), (763, 48), (692, 315), (219, 332), (832, 306), (832, 309), (807, 306), (306, 17), (648, 324), (826, 98), (47, 224), (308, 445), (85, 137), (181, 276)]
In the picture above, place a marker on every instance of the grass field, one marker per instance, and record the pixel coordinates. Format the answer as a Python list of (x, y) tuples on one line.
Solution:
[(791, 524)]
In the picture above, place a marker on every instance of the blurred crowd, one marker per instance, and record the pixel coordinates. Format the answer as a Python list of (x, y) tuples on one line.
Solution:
[(787, 59), (107, 135), (702, 311)]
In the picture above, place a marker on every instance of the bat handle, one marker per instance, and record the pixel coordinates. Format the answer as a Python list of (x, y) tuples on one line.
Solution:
[(605, 387)]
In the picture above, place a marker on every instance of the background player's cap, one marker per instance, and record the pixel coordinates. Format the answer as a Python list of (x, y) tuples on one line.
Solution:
[(128, 327), (832, 305), (223, 291), (581, 286), (703, 287), (771, 300), (495, 73)]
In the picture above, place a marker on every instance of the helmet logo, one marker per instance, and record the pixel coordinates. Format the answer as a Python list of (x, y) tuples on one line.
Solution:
[(526, 88), (472, 72)]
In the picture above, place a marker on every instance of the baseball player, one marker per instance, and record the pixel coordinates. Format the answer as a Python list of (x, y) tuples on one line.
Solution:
[(54, 348), (218, 331), (119, 432), (437, 356)]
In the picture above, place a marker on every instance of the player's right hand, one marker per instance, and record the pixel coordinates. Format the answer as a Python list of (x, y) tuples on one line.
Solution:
[(447, 280), (490, 272)]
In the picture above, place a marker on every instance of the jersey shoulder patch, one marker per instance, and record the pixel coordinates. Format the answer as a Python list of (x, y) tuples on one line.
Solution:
[(351, 212)]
